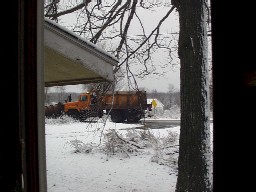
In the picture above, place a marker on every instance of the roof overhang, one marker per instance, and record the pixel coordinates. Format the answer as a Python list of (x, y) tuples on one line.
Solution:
[(71, 60)]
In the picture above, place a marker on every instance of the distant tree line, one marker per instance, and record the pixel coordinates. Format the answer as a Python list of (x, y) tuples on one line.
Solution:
[(55, 97), (169, 99)]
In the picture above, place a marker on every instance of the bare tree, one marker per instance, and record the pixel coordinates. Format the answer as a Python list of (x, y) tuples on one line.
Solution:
[(61, 92), (110, 22), (46, 95), (194, 164), (171, 90)]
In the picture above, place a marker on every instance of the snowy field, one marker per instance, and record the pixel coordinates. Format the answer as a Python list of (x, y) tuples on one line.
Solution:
[(103, 156)]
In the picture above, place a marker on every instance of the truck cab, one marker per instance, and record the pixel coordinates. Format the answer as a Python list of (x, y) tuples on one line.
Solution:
[(86, 106), (83, 103)]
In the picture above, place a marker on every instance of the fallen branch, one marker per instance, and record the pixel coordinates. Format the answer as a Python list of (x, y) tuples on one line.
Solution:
[(139, 147)]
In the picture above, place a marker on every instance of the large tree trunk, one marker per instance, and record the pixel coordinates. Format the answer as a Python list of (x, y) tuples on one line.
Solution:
[(195, 156)]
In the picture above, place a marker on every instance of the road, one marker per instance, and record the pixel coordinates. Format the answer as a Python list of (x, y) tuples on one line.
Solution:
[(160, 123)]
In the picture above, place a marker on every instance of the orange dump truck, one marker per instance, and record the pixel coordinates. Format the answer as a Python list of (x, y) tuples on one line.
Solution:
[(122, 106)]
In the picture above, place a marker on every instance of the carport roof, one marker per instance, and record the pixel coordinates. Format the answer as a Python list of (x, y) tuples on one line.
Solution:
[(70, 60)]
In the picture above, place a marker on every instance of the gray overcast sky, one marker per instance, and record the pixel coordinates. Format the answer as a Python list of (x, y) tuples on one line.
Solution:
[(151, 82), (171, 74)]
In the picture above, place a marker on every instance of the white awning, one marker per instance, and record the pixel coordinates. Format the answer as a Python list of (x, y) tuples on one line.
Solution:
[(71, 60)]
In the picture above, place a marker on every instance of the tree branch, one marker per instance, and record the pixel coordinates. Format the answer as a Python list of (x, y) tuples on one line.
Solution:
[(73, 9), (151, 34)]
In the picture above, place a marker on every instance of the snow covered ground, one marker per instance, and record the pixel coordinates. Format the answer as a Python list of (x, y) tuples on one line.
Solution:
[(103, 156)]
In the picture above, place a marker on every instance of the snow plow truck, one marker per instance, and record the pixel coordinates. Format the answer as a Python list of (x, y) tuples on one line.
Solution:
[(129, 106)]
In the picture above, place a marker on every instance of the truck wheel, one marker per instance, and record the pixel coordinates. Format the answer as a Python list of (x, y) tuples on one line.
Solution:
[(133, 116), (100, 114), (74, 114), (83, 116), (133, 119), (117, 117)]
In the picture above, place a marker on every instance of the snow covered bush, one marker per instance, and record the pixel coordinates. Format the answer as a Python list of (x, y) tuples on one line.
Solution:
[(173, 113), (81, 147), (166, 150), (60, 120), (115, 143)]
